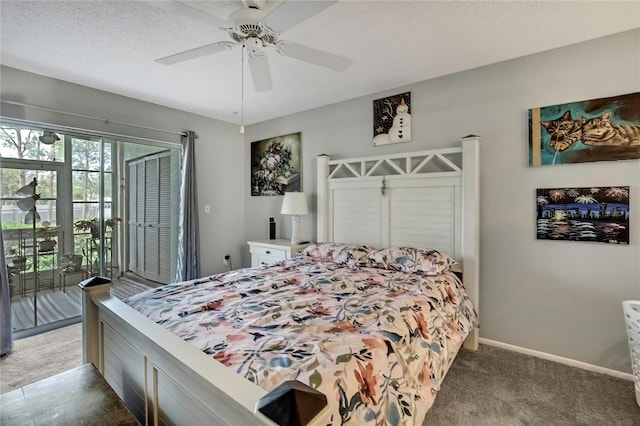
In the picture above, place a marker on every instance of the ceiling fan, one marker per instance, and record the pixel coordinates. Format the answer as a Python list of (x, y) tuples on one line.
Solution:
[(255, 28)]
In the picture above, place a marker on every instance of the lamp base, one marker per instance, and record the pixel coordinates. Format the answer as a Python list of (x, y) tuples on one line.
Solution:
[(295, 229)]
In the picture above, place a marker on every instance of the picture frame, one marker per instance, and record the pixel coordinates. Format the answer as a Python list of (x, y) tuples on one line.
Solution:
[(598, 214), (392, 119), (275, 165), (605, 129)]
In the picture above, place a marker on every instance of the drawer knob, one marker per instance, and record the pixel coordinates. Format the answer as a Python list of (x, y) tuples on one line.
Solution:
[(268, 252)]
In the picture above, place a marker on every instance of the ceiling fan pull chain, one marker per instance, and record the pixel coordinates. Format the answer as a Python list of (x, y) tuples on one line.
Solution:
[(242, 91)]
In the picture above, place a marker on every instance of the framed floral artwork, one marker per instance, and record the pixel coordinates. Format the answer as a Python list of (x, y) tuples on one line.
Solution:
[(275, 165)]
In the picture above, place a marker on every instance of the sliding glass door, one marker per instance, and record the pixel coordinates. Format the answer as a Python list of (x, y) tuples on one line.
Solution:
[(71, 209), (32, 236)]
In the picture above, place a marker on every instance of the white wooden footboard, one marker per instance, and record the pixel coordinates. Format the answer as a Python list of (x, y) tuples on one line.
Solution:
[(161, 378)]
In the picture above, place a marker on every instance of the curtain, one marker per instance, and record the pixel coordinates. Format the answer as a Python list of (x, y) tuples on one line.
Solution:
[(188, 241), (6, 328)]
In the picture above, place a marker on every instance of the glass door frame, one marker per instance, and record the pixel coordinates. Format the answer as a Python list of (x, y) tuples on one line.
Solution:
[(58, 168), (65, 217)]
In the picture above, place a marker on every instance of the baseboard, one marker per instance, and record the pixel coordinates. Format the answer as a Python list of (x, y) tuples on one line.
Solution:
[(558, 359), (32, 331)]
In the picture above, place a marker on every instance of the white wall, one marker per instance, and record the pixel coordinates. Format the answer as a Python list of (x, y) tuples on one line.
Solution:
[(219, 149), (563, 298)]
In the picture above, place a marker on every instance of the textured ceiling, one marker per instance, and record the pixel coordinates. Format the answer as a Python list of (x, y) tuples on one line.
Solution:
[(112, 45)]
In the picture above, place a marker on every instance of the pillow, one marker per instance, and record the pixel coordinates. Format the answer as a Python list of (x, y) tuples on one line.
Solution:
[(354, 255), (347, 254), (324, 252), (408, 259)]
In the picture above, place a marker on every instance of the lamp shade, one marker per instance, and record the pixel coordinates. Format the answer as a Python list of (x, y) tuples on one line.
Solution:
[(294, 203), (29, 217), (26, 204), (28, 190)]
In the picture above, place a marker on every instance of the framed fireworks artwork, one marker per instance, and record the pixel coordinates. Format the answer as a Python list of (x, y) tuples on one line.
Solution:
[(392, 119), (605, 129), (275, 165), (599, 214)]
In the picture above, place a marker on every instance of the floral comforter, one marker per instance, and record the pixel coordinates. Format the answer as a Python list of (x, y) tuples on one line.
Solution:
[(376, 342)]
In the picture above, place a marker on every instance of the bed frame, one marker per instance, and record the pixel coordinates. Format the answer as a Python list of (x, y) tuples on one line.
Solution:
[(425, 199)]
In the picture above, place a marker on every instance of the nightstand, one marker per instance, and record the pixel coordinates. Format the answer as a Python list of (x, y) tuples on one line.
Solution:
[(266, 252)]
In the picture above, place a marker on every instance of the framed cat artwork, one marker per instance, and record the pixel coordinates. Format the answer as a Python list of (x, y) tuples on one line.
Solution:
[(606, 129)]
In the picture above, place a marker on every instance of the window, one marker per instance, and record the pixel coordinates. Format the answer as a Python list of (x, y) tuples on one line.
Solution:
[(25, 144), (85, 179), (12, 179), (17, 219)]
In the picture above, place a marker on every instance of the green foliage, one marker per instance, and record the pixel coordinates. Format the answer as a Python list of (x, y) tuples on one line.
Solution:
[(90, 226), (15, 225), (47, 231), (12, 180), (71, 262)]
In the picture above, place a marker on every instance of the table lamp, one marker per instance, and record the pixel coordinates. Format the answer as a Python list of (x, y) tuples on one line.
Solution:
[(295, 204)]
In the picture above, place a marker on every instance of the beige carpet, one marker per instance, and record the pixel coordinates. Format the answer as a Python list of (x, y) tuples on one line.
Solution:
[(40, 356)]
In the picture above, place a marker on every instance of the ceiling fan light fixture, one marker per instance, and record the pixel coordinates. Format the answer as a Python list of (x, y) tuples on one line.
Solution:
[(254, 4), (246, 16), (48, 137)]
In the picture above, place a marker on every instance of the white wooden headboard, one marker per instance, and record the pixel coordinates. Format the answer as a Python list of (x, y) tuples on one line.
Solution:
[(427, 199)]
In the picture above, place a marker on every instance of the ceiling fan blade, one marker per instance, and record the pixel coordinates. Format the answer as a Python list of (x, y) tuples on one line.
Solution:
[(315, 56), (189, 12), (259, 67), (196, 52), (291, 13)]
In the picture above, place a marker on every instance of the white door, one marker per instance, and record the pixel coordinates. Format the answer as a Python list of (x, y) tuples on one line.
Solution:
[(153, 200)]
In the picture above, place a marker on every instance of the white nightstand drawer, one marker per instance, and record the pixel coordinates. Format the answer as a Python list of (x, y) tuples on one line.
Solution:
[(265, 260), (267, 252), (280, 254)]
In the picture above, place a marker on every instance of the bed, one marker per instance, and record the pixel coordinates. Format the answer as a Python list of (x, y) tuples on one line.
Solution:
[(374, 327)]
